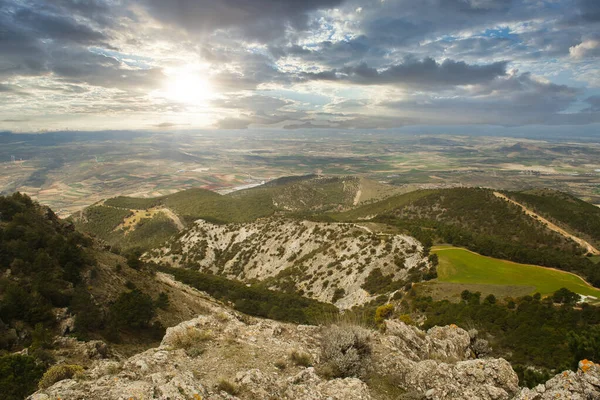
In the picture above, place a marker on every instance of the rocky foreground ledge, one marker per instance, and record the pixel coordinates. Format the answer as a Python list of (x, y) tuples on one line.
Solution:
[(225, 355)]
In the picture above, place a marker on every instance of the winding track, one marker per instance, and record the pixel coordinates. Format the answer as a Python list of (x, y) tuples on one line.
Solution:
[(553, 227)]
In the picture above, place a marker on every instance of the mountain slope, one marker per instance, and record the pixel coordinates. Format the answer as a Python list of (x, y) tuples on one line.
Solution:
[(477, 219), (575, 215), (327, 262)]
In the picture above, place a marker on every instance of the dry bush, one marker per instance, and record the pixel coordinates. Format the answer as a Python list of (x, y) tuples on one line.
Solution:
[(301, 358), (229, 387), (192, 340), (345, 351)]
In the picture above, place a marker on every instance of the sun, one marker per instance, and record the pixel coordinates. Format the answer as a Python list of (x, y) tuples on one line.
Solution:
[(188, 86)]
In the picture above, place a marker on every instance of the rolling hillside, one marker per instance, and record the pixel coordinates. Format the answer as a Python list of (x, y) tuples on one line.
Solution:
[(300, 194), (569, 212), (482, 222), (340, 263)]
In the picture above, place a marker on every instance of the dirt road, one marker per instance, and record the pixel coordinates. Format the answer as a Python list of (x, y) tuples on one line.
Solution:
[(586, 245)]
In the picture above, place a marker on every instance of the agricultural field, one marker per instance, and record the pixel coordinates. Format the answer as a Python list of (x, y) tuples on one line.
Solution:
[(71, 170), (463, 267)]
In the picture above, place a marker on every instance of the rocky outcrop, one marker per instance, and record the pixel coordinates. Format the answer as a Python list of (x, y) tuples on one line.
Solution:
[(324, 261), (226, 355), (581, 385)]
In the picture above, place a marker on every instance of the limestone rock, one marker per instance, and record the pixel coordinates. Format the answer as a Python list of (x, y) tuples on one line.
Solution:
[(252, 355), (581, 385)]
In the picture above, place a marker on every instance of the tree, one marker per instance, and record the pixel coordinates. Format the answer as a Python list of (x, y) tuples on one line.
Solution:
[(490, 299), (162, 301), (565, 296), (18, 376), (133, 310)]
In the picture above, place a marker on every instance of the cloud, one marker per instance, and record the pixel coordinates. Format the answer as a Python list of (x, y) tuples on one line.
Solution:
[(256, 19), (426, 73), (590, 10), (167, 125), (518, 99), (587, 48), (594, 102), (302, 64), (233, 123)]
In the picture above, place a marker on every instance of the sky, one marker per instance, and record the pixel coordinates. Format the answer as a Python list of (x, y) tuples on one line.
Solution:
[(290, 64)]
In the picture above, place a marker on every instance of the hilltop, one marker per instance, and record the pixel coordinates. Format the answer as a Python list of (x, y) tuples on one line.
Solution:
[(159, 218), (225, 355)]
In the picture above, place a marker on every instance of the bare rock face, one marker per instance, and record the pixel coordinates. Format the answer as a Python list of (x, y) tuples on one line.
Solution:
[(581, 385), (440, 364), (225, 355)]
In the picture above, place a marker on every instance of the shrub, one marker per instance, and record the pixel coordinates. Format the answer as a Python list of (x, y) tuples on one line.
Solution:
[(162, 301), (132, 309), (406, 318), (58, 373), (345, 351), (192, 340), (301, 359), (229, 387), (338, 294), (383, 312), (280, 365)]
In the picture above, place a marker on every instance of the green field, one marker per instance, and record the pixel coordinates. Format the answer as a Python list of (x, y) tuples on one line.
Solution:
[(458, 265)]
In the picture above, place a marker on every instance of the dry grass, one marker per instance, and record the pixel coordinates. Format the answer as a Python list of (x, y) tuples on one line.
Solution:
[(192, 340), (301, 358), (227, 386)]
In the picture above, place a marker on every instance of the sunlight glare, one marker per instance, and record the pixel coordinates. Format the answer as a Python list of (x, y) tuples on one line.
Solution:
[(188, 86)]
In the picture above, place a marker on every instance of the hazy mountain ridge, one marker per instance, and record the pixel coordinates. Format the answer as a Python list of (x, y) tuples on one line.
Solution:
[(315, 259)]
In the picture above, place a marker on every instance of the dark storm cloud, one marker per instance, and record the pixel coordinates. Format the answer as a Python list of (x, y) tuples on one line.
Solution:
[(425, 73), (30, 30), (262, 19), (590, 10), (46, 25), (41, 38)]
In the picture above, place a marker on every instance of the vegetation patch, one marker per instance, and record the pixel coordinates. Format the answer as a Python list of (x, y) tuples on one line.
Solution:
[(463, 266), (58, 373), (254, 300)]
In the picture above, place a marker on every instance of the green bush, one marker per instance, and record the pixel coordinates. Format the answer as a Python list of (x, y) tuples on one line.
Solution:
[(383, 312), (58, 373), (19, 376), (132, 310)]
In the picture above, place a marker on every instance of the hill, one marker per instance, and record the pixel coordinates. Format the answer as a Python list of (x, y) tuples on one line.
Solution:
[(63, 296), (567, 211), (477, 219), (158, 216), (345, 264)]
